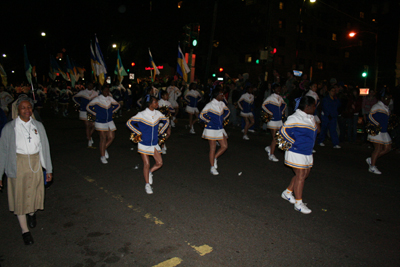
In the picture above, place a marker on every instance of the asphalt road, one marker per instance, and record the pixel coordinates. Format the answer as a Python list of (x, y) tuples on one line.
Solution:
[(100, 215)]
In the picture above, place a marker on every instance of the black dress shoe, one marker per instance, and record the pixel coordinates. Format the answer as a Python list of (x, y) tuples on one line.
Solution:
[(28, 239), (31, 220)]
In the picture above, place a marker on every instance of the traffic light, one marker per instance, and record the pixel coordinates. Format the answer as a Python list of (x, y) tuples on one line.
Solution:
[(186, 35), (364, 74), (257, 61), (194, 33), (221, 69), (133, 64), (214, 75)]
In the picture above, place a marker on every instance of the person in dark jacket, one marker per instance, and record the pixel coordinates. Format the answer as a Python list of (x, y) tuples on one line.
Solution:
[(330, 105)]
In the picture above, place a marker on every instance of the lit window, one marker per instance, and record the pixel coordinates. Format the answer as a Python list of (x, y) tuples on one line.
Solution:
[(179, 4), (281, 5), (346, 54), (320, 65), (362, 15), (248, 58), (334, 37)]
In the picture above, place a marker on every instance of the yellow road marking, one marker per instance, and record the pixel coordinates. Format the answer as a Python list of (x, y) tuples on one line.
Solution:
[(169, 263), (202, 250), (120, 199)]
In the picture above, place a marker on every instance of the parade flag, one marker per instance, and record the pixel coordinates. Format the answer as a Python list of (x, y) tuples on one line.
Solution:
[(34, 74), (55, 68), (182, 68), (3, 76), (102, 69), (70, 71), (28, 67), (93, 61), (119, 69), (153, 64), (78, 69)]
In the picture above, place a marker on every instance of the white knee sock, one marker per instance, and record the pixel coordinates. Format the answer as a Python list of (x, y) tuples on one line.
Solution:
[(23, 223)]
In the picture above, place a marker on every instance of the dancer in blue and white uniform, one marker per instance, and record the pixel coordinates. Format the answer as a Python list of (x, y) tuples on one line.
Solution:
[(313, 93), (193, 97), (379, 116), (161, 103), (103, 108), (300, 130), (174, 94), (275, 106), (214, 114), (82, 99), (245, 103), (146, 124)]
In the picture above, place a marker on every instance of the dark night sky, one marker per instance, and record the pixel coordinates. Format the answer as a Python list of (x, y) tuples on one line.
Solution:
[(72, 24)]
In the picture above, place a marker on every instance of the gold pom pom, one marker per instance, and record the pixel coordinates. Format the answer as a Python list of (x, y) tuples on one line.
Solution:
[(266, 117), (136, 138), (282, 143), (372, 129), (165, 111)]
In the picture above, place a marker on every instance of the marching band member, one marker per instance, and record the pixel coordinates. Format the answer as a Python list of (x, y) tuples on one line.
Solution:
[(275, 106), (163, 102), (65, 96), (174, 94), (245, 103), (379, 116), (82, 99), (117, 92), (103, 107), (145, 124), (192, 97), (300, 130), (214, 114)]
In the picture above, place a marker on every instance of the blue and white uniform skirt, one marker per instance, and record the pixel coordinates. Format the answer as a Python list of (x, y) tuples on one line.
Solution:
[(83, 115), (381, 138), (192, 110), (298, 161), (246, 114), (211, 134), (148, 150), (274, 125), (105, 126)]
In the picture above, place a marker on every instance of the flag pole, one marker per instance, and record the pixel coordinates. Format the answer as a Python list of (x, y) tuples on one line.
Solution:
[(33, 92)]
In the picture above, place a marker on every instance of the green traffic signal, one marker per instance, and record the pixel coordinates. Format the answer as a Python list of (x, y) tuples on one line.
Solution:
[(364, 74), (257, 61), (214, 75), (194, 43)]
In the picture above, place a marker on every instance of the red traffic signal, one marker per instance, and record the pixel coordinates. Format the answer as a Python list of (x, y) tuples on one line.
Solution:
[(274, 51), (133, 64), (221, 69)]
